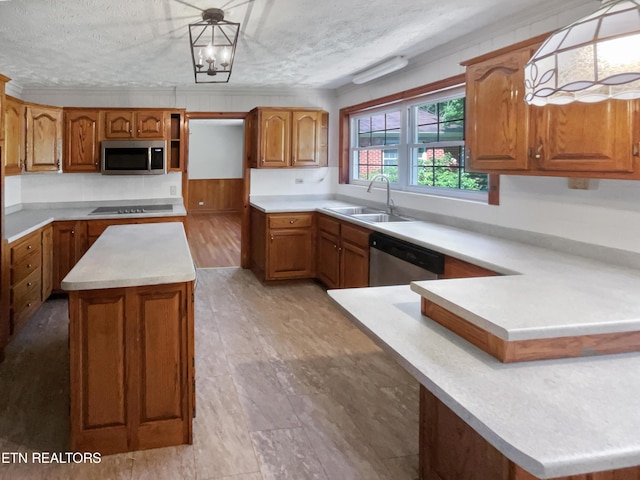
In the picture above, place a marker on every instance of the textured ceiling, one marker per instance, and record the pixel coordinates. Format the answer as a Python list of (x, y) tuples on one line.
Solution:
[(283, 43)]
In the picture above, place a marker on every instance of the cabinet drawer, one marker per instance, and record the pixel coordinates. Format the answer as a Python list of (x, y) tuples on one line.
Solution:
[(329, 225), (355, 234), (27, 290), (29, 245), (24, 266), (291, 220)]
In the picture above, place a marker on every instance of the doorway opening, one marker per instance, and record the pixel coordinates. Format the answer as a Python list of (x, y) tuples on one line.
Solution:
[(215, 187)]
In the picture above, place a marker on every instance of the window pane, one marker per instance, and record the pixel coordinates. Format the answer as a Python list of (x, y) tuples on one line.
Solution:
[(392, 120), (364, 125), (451, 110), (393, 137), (368, 163), (427, 133), (364, 139), (377, 138), (474, 181), (447, 177), (451, 131)]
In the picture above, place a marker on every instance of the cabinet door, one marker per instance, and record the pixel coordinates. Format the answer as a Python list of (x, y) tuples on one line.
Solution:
[(101, 339), (150, 125), (47, 262), (275, 138), (305, 139), (497, 118), (585, 137), (44, 138), (290, 253), (81, 143), (14, 143), (69, 244), (328, 259), (161, 386), (354, 265), (118, 124)]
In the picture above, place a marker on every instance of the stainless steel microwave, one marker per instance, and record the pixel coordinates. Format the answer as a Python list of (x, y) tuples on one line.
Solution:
[(134, 157)]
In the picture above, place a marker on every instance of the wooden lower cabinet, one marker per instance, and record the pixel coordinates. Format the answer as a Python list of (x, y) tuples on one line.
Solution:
[(282, 245), (449, 449), (342, 253), (131, 360), (69, 244), (455, 268), (30, 275)]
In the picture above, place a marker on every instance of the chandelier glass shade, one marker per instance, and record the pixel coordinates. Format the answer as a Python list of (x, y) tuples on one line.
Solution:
[(213, 47), (593, 59)]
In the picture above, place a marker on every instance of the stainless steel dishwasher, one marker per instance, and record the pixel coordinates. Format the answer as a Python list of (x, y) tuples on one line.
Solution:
[(396, 262)]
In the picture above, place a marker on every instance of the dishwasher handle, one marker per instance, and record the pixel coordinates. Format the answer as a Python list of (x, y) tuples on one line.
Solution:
[(414, 254)]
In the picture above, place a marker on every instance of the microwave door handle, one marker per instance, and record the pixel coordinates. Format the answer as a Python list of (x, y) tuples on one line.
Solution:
[(149, 159)]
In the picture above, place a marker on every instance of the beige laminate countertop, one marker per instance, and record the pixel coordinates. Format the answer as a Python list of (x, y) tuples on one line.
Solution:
[(134, 255), (543, 293), (30, 219)]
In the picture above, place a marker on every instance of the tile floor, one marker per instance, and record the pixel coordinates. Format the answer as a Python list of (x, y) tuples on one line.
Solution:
[(287, 389)]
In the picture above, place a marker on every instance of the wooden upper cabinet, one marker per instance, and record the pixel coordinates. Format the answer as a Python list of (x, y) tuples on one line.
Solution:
[(14, 144), (287, 137), (497, 118), (81, 142), (150, 124), (118, 124), (585, 137), (44, 138), (125, 124), (275, 138), (305, 139)]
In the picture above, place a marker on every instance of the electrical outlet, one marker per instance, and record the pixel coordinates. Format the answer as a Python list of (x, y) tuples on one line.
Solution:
[(299, 180), (173, 190)]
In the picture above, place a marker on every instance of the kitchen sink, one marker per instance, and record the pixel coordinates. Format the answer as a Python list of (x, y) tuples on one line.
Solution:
[(355, 210), (380, 217)]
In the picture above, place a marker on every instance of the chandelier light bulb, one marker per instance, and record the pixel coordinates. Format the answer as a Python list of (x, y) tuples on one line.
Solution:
[(210, 53)]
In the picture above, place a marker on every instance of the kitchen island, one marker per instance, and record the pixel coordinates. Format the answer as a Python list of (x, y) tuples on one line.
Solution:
[(131, 340), (486, 420)]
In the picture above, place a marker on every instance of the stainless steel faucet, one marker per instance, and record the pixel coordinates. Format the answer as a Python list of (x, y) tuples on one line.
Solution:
[(389, 201)]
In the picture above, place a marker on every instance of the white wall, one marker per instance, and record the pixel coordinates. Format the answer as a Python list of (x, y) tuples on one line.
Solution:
[(12, 190), (608, 215), (294, 181), (216, 149), (76, 187)]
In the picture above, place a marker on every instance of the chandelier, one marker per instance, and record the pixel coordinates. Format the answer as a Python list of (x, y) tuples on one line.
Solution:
[(593, 59), (213, 47)]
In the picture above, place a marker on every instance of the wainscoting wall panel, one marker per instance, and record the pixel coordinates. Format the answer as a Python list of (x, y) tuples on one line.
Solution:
[(215, 195)]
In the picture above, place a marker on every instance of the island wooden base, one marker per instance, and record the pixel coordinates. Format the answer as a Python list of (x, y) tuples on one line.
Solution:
[(132, 367), (536, 349), (451, 450)]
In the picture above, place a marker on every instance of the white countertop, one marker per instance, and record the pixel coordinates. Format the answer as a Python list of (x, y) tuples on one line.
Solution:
[(553, 418), (543, 293), (28, 219), (134, 255)]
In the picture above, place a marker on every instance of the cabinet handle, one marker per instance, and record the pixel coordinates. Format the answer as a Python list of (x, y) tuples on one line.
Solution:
[(294, 160), (636, 149), (29, 247), (29, 304), (73, 232), (262, 160), (468, 154), (29, 284), (29, 266), (335, 246), (535, 152), (272, 238), (292, 221)]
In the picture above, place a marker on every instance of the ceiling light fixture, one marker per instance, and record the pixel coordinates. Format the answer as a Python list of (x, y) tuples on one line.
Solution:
[(213, 47), (593, 59), (396, 63)]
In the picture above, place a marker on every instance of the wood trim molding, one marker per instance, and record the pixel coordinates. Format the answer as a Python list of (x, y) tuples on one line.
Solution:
[(537, 349), (494, 189), (343, 140)]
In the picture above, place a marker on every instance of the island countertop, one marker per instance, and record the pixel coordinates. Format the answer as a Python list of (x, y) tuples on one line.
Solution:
[(134, 255), (554, 418)]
